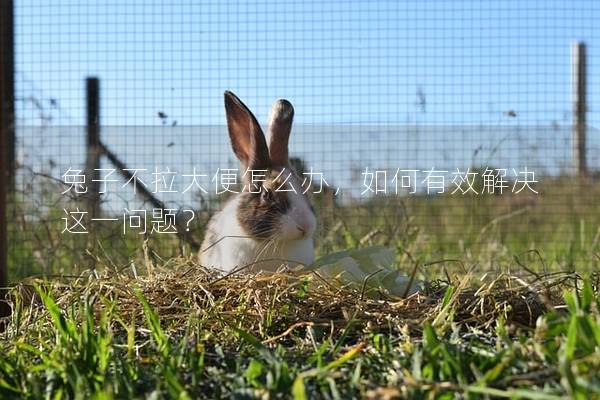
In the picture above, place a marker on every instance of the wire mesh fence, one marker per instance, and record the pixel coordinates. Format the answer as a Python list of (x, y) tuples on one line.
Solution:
[(444, 129)]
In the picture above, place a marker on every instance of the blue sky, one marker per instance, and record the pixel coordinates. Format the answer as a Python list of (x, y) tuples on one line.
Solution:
[(339, 62)]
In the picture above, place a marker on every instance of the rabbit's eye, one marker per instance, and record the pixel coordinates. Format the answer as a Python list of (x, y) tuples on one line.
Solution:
[(265, 195)]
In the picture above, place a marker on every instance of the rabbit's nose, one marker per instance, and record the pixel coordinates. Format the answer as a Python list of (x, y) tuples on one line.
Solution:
[(303, 229)]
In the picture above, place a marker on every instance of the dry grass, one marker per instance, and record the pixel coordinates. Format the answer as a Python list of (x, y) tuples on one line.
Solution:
[(272, 306)]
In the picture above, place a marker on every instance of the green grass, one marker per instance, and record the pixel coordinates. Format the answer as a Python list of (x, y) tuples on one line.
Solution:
[(180, 332)]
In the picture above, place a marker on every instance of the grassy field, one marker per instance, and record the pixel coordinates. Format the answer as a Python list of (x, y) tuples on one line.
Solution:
[(177, 331), (510, 308)]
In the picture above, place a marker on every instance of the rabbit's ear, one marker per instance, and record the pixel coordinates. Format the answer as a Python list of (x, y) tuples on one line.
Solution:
[(280, 127), (247, 139)]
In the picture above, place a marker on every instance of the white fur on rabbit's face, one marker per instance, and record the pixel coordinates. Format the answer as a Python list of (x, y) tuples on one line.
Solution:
[(300, 221)]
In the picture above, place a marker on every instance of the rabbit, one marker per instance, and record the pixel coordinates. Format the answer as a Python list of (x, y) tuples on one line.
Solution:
[(270, 222)]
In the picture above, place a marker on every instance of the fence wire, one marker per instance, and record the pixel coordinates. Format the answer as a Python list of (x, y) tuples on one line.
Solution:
[(443, 129)]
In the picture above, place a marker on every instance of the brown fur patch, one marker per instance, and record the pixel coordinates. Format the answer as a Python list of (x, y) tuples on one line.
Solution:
[(260, 213)]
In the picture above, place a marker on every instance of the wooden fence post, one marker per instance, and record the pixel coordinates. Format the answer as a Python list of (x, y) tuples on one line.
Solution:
[(578, 65), (7, 136), (92, 163)]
